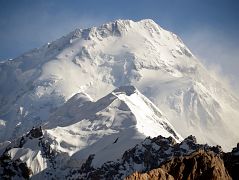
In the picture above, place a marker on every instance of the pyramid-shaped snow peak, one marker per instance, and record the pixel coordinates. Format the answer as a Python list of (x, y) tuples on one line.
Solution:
[(97, 60)]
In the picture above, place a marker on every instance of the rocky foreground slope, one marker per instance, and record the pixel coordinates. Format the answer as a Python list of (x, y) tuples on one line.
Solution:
[(198, 165), (201, 164), (164, 158)]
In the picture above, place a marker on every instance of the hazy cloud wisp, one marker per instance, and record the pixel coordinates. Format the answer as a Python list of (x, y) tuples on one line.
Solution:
[(217, 52)]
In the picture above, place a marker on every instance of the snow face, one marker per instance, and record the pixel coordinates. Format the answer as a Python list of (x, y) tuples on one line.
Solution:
[(106, 127), (97, 60), (82, 127), (28, 149), (34, 159)]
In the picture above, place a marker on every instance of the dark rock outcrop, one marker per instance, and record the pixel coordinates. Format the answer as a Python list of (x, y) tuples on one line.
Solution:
[(231, 161), (13, 169), (35, 132), (18, 169)]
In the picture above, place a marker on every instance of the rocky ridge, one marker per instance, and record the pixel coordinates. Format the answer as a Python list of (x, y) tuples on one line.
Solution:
[(28, 155), (149, 155), (153, 158)]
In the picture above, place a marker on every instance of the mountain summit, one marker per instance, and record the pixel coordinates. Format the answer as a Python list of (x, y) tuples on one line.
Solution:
[(97, 60)]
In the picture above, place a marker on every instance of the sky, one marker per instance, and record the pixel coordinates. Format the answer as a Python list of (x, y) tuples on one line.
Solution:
[(208, 27)]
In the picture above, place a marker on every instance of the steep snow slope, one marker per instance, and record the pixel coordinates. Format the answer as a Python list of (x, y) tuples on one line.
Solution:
[(27, 149), (106, 127), (81, 127), (98, 59)]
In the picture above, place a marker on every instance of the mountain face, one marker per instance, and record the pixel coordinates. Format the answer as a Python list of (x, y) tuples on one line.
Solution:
[(85, 105), (97, 60), (107, 127)]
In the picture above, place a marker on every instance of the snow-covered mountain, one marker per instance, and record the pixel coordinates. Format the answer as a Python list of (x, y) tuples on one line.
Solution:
[(81, 127), (97, 60)]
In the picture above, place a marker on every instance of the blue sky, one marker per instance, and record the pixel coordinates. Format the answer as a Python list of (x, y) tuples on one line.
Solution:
[(209, 27)]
